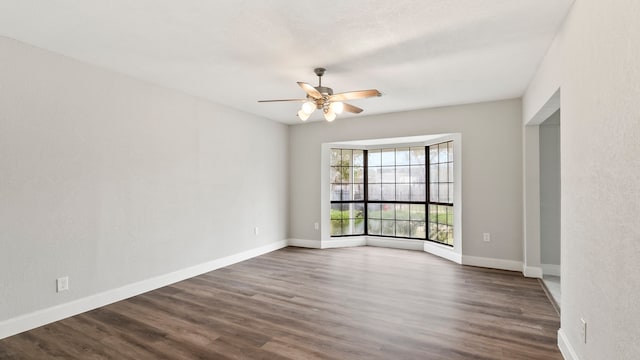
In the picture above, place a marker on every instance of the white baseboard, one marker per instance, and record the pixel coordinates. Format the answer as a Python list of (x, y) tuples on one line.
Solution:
[(405, 244), (492, 263), (442, 251), (313, 244), (568, 352), (550, 269), (45, 316), (344, 242), (532, 271)]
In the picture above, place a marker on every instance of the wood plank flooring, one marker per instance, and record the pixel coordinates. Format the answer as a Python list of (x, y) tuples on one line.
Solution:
[(294, 303)]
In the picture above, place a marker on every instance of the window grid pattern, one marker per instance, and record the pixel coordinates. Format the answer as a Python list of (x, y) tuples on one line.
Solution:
[(441, 181), (396, 192), (347, 192)]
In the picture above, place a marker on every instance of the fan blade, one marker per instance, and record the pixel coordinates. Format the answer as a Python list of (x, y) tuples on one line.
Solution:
[(310, 90), (299, 100), (353, 95), (352, 109)]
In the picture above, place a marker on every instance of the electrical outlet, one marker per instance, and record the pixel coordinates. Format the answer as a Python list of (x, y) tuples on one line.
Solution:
[(316, 226), (255, 230), (62, 284), (583, 330), (486, 237)]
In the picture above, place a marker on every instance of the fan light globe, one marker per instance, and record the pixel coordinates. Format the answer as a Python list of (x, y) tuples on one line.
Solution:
[(303, 115), (330, 116), (308, 107), (337, 107)]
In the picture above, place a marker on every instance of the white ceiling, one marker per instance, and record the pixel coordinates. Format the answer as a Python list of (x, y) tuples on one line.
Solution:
[(418, 53)]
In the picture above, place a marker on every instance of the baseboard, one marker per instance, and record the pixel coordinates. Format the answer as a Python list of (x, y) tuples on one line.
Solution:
[(550, 269), (492, 263), (45, 316), (344, 242), (405, 244), (568, 352), (313, 244), (532, 271), (442, 251)]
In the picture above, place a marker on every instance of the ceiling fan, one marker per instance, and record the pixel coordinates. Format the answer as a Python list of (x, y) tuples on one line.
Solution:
[(322, 98)]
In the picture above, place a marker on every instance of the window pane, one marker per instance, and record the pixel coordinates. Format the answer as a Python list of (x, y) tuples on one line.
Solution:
[(358, 174), (347, 228), (402, 228), (389, 174), (450, 166), (450, 236), (443, 173), (417, 212), (375, 175), (433, 154), (443, 192), (346, 157), (388, 211), (358, 211), (358, 191), (402, 211), (388, 227), (403, 192), (375, 192), (373, 211), (336, 211), (402, 174), (433, 213), (336, 156), (336, 192), (388, 157), (402, 156), (389, 192), (442, 153), (417, 229), (374, 158), (442, 233), (433, 192), (417, 155), (336, 178), (433, 231), (450, 151), (417, 174), (345, 174), (374, 227), (418, 192), (336, 227), (358, 158), (451, 193), (433, 173), (347, 193), (358, 226)]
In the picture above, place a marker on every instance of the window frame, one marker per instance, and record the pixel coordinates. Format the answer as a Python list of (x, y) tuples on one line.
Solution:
[(427, 200)]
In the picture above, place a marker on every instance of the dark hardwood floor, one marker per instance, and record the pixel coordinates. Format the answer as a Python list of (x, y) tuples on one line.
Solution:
[(294, 303)]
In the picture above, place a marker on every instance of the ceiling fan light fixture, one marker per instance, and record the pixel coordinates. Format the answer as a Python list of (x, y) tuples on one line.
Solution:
[(308, 107), (337, 107), (329, 115), (303, 115)]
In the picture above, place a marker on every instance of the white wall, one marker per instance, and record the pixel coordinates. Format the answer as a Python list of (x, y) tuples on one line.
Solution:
[(491, 168), (111, 180), (550, 190), (600, 168)]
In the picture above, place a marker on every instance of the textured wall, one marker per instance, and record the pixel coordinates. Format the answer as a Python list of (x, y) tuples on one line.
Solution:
[(600, 166), (111, 180), (491, 168)]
